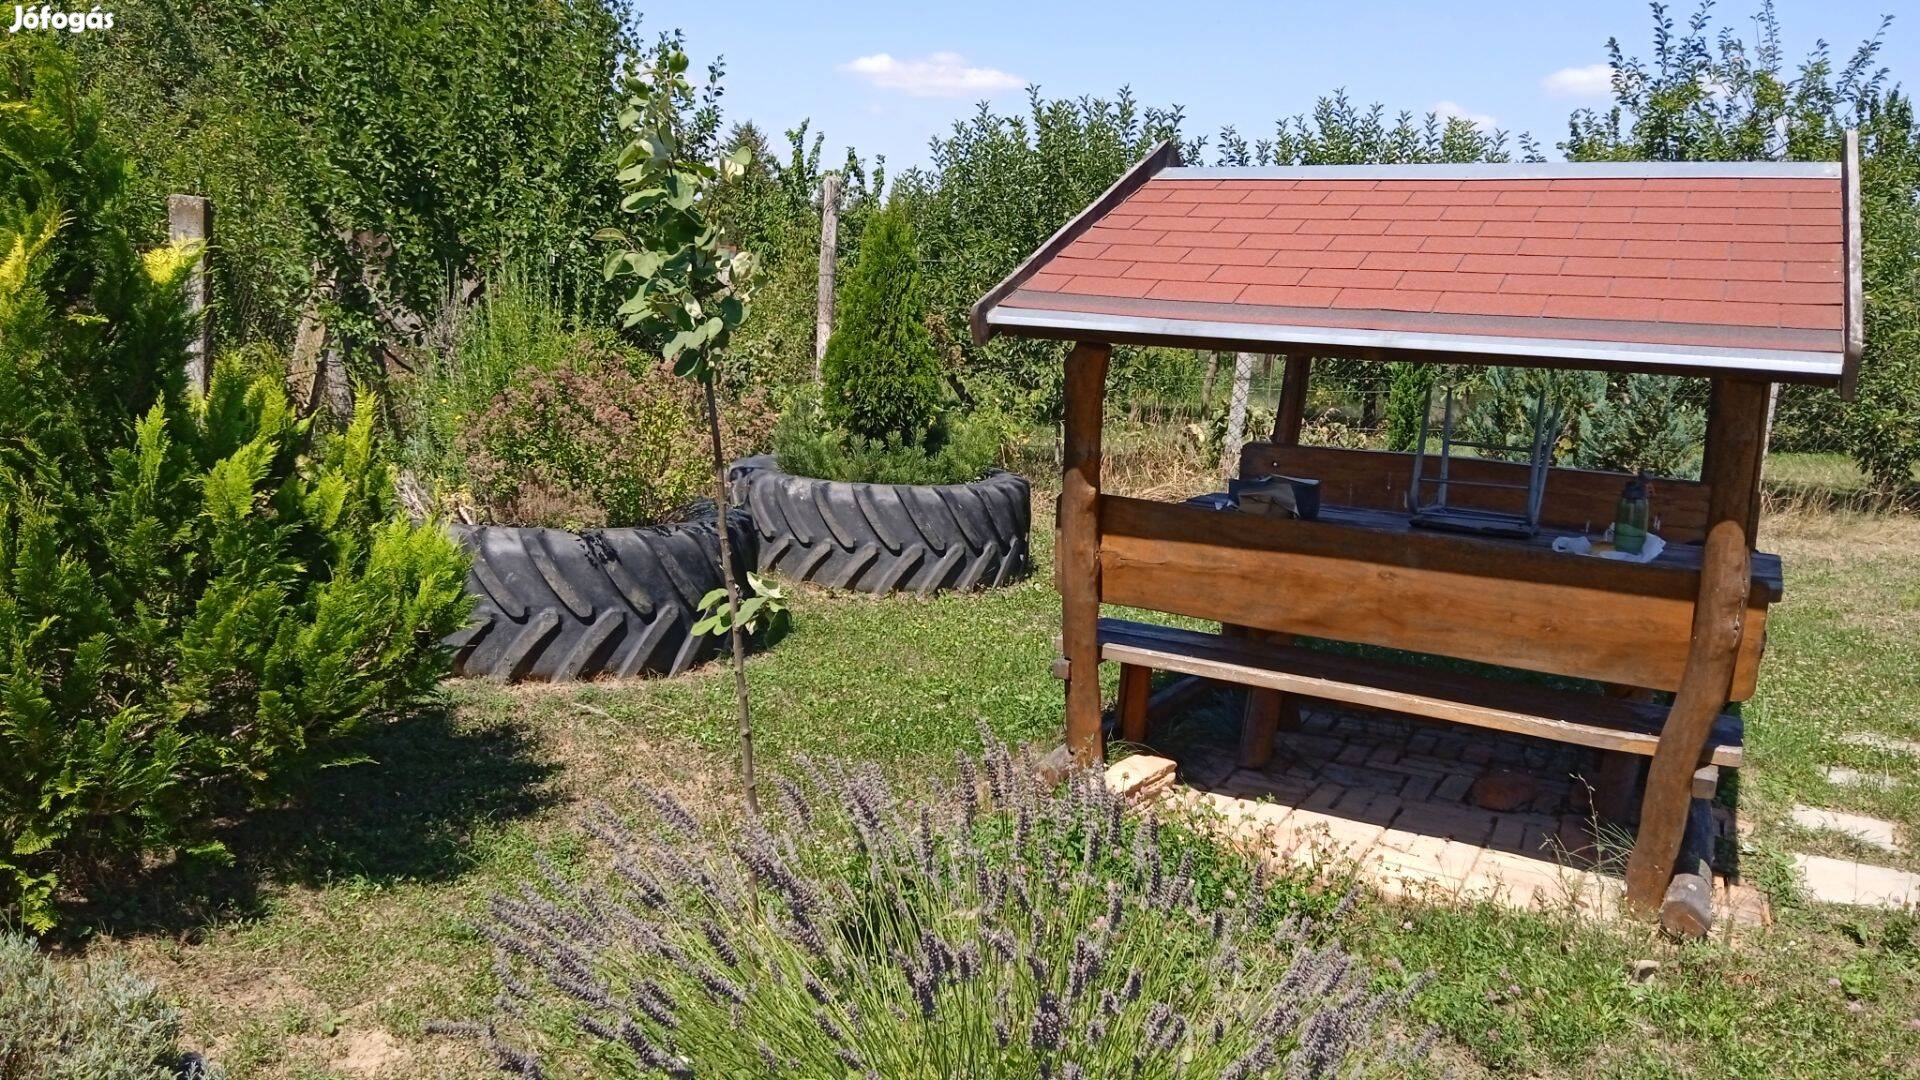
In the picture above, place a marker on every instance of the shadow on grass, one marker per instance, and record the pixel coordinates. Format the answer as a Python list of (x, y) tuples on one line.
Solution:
[(409, 813)]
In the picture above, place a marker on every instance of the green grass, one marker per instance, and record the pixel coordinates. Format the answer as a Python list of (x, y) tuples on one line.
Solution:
[(345, 924), (1843, 656)]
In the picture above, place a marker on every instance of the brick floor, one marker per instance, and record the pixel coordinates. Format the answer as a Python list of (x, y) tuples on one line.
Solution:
[(1389, 795)]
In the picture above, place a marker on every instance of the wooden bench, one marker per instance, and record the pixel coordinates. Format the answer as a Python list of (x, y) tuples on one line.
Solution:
[(1618, 724)]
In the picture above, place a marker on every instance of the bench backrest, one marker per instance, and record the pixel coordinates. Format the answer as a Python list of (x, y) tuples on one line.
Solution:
[(1575, 498)]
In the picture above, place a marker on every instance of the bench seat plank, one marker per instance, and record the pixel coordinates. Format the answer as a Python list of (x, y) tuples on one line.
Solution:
[(1543, 712)]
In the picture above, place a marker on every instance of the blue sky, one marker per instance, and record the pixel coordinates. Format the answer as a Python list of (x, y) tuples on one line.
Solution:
[(885, 77)]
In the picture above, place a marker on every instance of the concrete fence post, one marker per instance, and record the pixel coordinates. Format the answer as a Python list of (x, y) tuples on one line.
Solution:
[(190, 218)]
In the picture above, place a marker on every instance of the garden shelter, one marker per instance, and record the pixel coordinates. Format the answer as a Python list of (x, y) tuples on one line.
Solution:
[(1747, 274)]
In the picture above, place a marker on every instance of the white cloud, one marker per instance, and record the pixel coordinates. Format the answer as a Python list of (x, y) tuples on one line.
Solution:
[(1592, 81), (1448, 110), (941, 74)]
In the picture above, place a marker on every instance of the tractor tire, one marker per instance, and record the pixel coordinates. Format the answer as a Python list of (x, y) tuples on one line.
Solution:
[(884, 538), (554, 606)]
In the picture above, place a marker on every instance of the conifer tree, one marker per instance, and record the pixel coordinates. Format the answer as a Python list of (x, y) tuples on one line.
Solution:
[(881, 376), (197, 606)]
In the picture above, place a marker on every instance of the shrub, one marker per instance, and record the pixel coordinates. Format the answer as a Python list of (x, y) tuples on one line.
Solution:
[(518, 325), (1643, 422), (196, 606), (993, 928), (605, 439), (960, 450), (880, 380), (1408, 387), (94, 1022), (1623, 423), (539, 419), (1208, 435)]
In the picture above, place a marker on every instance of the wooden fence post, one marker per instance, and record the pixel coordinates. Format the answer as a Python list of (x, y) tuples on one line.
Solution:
[(829, 247), (190, 218)]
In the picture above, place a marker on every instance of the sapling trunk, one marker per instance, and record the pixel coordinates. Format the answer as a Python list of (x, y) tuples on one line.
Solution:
[(733, 598)]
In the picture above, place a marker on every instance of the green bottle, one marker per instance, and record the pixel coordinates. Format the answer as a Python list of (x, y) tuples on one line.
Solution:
[(1630, 518)]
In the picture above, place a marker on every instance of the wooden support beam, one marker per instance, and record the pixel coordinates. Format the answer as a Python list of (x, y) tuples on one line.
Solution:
[(1293, 401), (1616, 786), (1077, 554), (1267, 711), (1261, 720), (1686, 910), (1736, 425), (1132, 707)]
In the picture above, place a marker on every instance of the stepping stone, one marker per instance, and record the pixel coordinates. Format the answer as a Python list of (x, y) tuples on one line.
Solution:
[(1844, 881), (1876, 741), (1871, 830), (1841, 776), (1140, 778)]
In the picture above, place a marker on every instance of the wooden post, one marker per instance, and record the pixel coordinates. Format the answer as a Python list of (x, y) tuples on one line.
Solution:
[(190, 219), (829, 248), (1760, 468), (1268, 711), (1735, 427), (1236, 412), (1686, 910), (1293, 402), (1135, 690), (1077, 554)]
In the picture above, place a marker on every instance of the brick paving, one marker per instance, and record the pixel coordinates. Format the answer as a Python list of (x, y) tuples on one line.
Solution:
[(1394, 797)]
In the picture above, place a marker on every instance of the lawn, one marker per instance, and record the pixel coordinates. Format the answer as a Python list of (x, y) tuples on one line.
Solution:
[(344, 924)]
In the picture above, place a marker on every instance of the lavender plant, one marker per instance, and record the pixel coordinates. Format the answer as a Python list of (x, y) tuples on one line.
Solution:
[(994, 929)]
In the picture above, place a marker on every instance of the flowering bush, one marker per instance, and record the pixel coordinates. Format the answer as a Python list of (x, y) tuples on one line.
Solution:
[(606, 438), (995, 928)]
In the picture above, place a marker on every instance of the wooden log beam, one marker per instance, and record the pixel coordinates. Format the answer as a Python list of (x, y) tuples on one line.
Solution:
[(1267, 711), (1687, 908), (1133, 704), (1736, 425), (1077, 553), (1293, 401)]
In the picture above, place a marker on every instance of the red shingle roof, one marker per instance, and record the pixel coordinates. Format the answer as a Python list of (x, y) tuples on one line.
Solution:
[(1653, 266)]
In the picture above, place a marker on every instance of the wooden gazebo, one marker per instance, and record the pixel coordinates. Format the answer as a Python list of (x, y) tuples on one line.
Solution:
[(1745, 273)]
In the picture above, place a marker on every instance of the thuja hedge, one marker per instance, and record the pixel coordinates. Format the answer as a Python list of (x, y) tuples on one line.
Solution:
[(198, 605)]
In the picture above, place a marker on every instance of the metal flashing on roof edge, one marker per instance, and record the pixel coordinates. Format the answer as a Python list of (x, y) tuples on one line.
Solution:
[(1853, 298), (1162, 157), (1552, 170), (1778, 365)]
